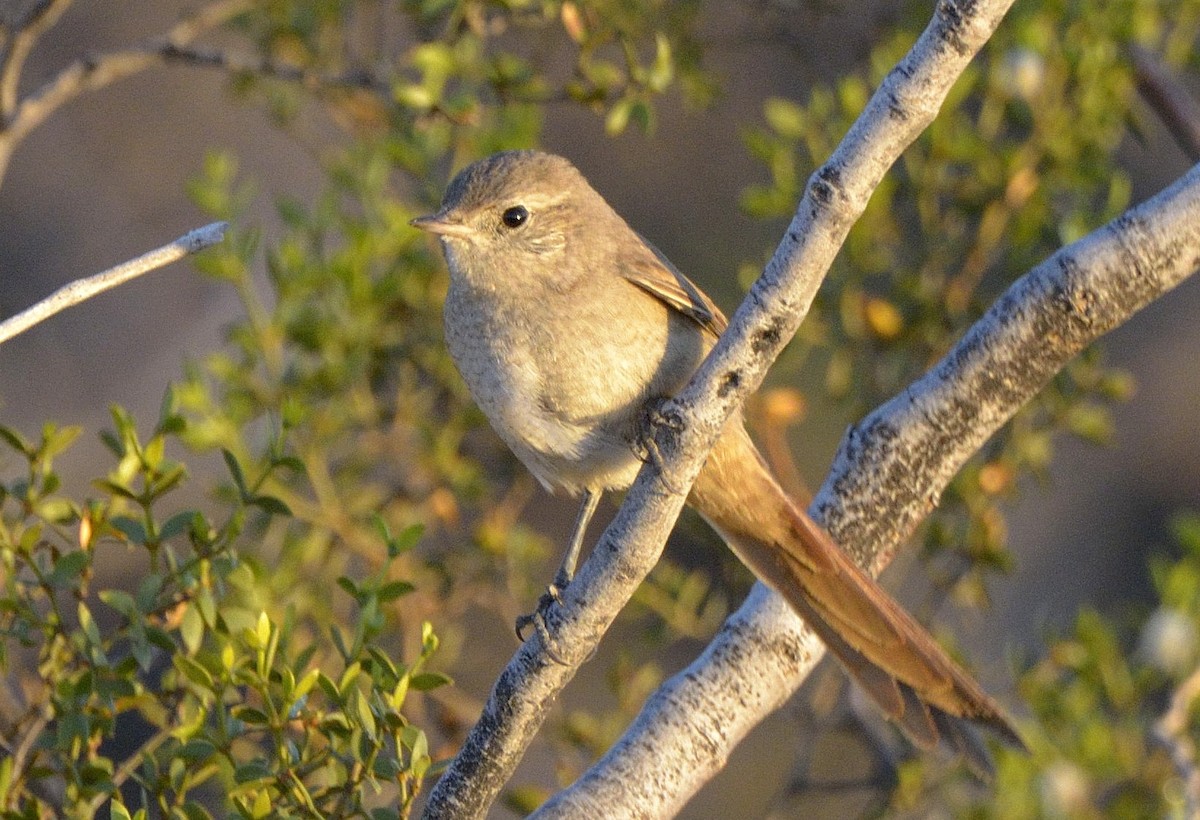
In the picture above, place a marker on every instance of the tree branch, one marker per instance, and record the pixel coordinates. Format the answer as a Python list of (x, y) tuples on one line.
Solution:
[(83, 289), (904, 105), (888, 474), (1178, 110), (260, 66), (20, 36), (91, 72)]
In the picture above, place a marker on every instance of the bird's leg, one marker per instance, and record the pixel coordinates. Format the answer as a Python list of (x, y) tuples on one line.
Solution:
[(566, 571), (565, 574)]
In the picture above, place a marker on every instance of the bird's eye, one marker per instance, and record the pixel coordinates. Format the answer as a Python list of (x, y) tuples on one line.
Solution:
[(515, 216)]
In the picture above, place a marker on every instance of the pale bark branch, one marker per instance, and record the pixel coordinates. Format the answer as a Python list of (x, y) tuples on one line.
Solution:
[(888, 474), (83, 289), (20, 34), (836, 196), (91, 72)]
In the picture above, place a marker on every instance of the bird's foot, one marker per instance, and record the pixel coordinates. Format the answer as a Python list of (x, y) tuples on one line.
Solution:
[(657, 417), (537, 619)]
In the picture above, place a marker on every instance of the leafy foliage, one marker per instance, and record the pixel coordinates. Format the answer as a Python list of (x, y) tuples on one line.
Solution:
[(1111, 705), (214, 689)]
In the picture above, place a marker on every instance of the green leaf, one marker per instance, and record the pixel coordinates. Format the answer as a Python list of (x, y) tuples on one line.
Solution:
[(618, 117), (16, 441), (126, 427), (113, 488), (154, 452), (1185, 529), (291, 463), (414, 740), (251, 771), (339, 642), (111, 442), (408, 538), (262, 805), (172, 425), (191, 629), (169, 479), (55, 441), (69, 568), (176, 524), (662, 71), (6, 772), (425, 681), (160, 638), (57, 510), (328, 687), (147, 591), (383, 662), (120, 600), (270, 504), (785, 117), (393, 590), (439, 767), (194, 672), (642, 115), (262, 629), (400, 692), (381, 528), (88, 624), (197, 750), (251, 715), (363, 713), (133, 530), (349, 676), (194, 811), (235, 470), (207, 606), (1091, 422), (306, 683)]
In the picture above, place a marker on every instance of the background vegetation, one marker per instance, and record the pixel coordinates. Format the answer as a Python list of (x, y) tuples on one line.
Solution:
[(257, 600)]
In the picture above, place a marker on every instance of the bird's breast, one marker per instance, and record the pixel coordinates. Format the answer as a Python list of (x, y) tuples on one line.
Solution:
[(563, 381)]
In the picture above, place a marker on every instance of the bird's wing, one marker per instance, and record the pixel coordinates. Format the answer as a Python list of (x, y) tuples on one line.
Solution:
[(653, 272)]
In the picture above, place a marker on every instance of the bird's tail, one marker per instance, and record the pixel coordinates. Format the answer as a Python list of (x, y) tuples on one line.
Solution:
[(891, 656)]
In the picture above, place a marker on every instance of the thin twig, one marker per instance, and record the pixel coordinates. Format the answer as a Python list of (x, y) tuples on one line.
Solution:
[(83, 289), (39, 716), (258, 66), (129, 766), (94, 71), (21, 36), (1177, 108), (97, 71)]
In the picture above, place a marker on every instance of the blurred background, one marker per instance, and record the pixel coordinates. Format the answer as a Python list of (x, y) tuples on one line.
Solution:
[(105, 179)]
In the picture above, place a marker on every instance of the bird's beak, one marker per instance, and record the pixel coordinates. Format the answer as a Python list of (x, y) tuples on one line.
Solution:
[(441, 226)]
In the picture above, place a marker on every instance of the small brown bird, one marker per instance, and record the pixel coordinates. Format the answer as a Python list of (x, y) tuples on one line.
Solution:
[(566, 324)]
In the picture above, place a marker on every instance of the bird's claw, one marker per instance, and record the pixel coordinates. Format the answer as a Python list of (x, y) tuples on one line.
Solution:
[(537, 619), (646, 447)]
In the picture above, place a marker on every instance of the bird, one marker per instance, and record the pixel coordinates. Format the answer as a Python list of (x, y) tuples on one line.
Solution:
[(567, 327)]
